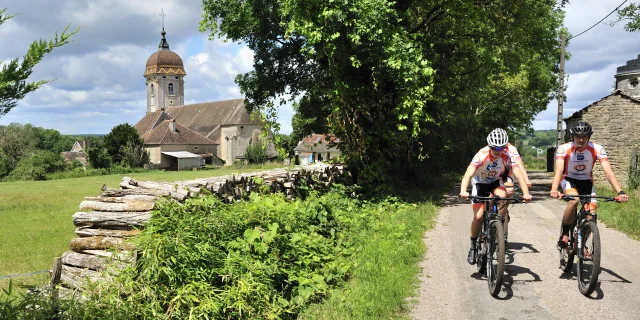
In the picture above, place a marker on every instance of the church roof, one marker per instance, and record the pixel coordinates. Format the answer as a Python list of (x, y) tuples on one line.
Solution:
[(207, 118), (163, 134), (150, 121)]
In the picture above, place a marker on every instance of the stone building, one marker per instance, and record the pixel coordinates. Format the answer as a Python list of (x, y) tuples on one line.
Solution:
[(215, 130), (317, 147), (615, 120)]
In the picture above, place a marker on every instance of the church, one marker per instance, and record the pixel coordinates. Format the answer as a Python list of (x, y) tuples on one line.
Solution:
[(173, 131)]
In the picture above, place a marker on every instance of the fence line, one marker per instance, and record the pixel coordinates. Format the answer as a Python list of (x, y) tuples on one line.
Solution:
[(24, 274)]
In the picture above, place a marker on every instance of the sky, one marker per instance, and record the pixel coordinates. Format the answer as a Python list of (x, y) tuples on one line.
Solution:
[(99, 79)]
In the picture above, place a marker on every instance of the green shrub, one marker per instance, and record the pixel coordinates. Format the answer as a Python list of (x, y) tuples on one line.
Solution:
[(256, 153), (37, 166), (99, 157)]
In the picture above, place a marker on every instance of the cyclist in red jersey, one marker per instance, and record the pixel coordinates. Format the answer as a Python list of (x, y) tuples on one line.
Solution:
[(484, 172), (574, 164)]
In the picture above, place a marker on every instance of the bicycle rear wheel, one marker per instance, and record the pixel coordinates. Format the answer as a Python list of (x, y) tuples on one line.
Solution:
[(495, 257), (589, 259)]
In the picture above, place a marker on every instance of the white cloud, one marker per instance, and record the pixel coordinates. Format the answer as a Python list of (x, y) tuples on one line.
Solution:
[(595, 55)]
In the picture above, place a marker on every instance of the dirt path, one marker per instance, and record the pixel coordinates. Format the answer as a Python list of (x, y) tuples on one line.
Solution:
[(534, 288)]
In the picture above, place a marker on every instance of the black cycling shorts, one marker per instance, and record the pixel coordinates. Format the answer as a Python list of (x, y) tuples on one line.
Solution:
[(584, 187), (485, 189)]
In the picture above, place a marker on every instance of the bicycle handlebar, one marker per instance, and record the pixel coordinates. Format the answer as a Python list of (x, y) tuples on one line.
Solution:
[(573, 197), (515, 200)]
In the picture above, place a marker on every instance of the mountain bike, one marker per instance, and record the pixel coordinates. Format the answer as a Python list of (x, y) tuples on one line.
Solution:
[(491, 245), (584, 241)]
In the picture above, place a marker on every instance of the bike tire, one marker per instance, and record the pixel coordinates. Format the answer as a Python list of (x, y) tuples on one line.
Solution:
[(589, 269), (567, 255), (495, 258)]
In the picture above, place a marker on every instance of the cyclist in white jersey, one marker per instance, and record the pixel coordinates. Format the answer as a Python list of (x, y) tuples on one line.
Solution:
[(484, 172), (574, 173)]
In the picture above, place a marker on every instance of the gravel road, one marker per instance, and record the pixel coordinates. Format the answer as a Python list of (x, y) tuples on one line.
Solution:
[(534, 286)]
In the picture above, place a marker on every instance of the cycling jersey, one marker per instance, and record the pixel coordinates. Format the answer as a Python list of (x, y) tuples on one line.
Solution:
[(578, 164), (488, 168), (514, 158)]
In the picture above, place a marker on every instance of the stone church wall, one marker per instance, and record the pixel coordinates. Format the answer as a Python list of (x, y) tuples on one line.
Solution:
[(615, 122), (234, 140)]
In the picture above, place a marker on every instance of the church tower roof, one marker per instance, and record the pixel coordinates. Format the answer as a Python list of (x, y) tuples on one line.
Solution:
[(164, 61)]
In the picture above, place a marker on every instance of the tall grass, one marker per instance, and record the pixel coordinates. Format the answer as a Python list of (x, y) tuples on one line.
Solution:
[(624, 217), (36, 222)]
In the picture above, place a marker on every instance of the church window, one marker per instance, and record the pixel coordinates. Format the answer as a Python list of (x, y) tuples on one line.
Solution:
[(170, 89), (633, 83)]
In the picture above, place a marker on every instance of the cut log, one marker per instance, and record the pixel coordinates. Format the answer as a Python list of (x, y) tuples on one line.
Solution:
[(99, 243), (124, 256), (129, 205), (109, 192), (90, 232), (73, 277), (85, 261), (123, 198), (111, 220)]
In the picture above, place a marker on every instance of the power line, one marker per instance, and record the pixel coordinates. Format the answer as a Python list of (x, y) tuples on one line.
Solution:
[(597, 23)]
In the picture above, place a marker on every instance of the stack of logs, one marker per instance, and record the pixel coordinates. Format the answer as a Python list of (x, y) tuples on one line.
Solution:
[(118, 214)]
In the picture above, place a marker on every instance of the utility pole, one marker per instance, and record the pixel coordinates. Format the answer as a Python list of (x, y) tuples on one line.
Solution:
[(559, 138)]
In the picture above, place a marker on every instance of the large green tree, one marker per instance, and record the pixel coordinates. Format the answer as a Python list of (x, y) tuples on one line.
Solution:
[(14, 74), (409, 87), (124, 143)]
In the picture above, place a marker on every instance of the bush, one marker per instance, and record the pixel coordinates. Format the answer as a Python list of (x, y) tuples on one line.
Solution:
[(99, 158), (256, 153), (37, 166)]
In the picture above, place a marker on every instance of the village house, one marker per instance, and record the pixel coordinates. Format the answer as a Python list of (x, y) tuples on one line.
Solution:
[(217, 131), (76, 153), (316, 148), (615, 119)]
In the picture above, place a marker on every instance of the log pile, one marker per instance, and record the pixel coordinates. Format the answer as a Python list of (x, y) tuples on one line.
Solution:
[(116, 215)]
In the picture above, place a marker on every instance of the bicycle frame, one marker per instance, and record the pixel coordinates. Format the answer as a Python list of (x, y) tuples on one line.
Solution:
[(581, 217)]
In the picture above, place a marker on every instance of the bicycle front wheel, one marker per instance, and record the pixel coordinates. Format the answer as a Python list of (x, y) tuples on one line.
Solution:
[(495, 257), (589, 258)]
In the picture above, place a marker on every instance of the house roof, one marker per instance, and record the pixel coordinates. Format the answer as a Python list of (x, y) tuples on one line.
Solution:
[(181, 154), (318, 143), (618, 92), (77, 147), (70, 156), (207, 118), (162, 134)]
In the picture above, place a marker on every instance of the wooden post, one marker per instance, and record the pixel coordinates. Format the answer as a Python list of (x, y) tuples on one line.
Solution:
[(559, 138), (55, 282)]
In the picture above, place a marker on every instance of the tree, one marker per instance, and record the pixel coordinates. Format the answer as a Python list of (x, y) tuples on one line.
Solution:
[(116, 141), (13, 76), (37, 165), (285, 144), (134, 155), (409, 87), (98, 157)]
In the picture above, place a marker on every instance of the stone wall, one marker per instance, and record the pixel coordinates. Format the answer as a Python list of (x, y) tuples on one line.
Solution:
[(615, 120)]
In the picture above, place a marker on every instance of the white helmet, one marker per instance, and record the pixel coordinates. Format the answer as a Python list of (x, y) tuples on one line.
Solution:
[(497, 138)]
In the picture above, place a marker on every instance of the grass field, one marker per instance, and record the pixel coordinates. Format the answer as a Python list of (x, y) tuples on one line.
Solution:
[(36, 222)]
